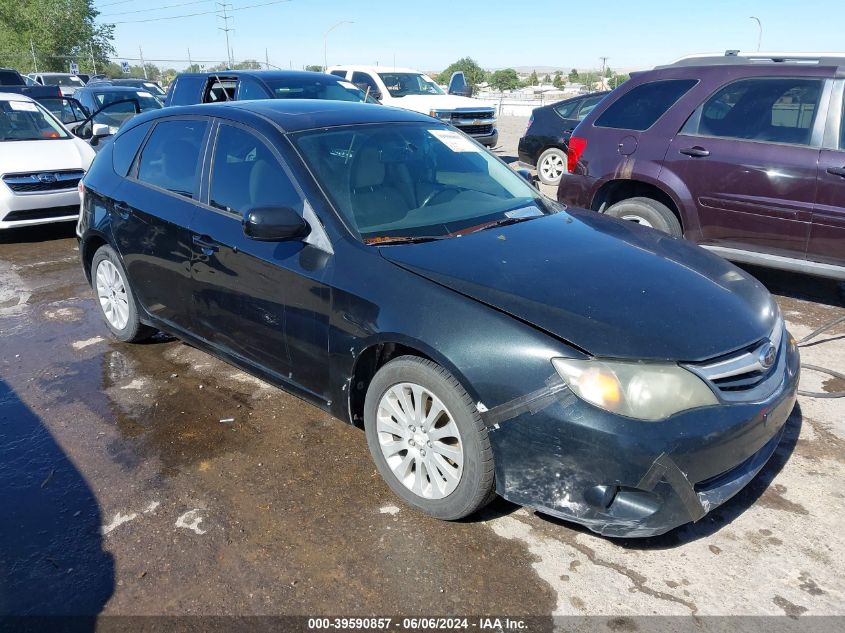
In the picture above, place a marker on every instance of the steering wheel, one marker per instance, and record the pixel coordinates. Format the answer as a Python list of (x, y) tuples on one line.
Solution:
[(436, 193)]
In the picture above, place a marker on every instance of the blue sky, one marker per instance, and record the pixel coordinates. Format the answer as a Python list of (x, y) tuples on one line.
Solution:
[(498, 33)]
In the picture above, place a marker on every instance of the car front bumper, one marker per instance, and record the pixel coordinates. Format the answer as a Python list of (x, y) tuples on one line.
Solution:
[(488, 140), (37, 208), (626, 478)]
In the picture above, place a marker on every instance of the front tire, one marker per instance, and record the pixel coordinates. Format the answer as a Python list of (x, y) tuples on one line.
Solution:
[(115, 297), (427, 439), (551, 166), (647, 212)]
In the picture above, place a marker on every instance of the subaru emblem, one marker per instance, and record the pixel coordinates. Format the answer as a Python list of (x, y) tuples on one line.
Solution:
[(768, 355), (47, 178)]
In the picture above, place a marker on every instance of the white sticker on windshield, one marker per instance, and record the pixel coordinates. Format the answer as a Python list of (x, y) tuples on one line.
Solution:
[(143, 94), (348, 85), (455, 141), (23, 106)]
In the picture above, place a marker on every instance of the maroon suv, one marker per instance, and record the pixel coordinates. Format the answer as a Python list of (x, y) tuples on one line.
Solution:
[(742, 155)]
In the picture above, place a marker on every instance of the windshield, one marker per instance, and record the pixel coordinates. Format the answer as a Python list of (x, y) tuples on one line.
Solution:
[(403, 84), (154, 88), (293, 88), (27, 121), (408, 180), (63, 80), (145, 100)]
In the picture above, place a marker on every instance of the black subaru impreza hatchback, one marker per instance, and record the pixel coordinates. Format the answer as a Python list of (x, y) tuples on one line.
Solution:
[(385, 267)]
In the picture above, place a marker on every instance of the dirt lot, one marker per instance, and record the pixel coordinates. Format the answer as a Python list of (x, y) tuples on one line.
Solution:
[(154, 479)]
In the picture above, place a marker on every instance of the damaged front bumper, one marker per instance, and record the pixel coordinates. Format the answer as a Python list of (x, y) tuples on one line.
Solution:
[(627, 478)]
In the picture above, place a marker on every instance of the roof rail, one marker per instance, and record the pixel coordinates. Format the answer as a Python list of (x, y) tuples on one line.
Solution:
[(736, 57)]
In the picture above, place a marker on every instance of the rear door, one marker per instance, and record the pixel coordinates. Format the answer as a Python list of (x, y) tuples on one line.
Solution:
[(827, 233), (748, 157), (151, 218)]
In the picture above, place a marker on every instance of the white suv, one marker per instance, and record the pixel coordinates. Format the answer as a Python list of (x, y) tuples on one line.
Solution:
[(413, 90)]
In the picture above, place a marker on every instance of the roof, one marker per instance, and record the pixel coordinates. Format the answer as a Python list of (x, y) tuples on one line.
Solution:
[(294, 115), (262, 74), (739, 58), (106, 87), (12, 96), (374, 69)]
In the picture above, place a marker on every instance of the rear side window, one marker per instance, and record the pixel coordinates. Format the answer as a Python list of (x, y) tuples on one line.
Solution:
[(171, 157), (246, 175), (9, 78), (126, 148), (249, 88), (767, 109), (639, 108), (587, 106), (567, 109)]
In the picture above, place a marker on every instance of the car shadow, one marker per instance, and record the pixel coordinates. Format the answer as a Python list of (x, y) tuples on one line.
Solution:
[(797, 286), (52, 561), (721, 516), (38, 233)]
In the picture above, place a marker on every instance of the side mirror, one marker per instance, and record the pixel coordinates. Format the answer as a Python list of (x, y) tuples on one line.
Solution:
[(459, 86), (99, 130), (275, 224), (528, 177)]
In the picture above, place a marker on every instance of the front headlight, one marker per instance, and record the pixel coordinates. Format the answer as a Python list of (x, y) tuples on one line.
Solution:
[(636, 390), (444, 116)]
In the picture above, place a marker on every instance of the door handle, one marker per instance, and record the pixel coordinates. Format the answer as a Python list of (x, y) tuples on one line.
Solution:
[(206, 244), (123, 210), (695, 152), (836, 171)]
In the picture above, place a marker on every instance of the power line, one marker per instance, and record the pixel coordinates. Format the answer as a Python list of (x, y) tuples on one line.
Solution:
[(167, 6), (108, 4), (190, 15)]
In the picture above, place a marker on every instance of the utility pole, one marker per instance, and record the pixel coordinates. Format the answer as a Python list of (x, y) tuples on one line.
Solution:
[(266, 60), (34, 59), (759, 31), (93, 61), (225, 8), (190, 63), (143, 65), (603, 70)]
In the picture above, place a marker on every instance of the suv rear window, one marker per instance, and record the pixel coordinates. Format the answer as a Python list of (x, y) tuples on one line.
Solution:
[(639, 108), (767, 109)]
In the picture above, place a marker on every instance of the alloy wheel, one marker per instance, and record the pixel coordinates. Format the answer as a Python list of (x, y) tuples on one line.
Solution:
[(111, 290), (420, 440), (638, 219), (553, 167)]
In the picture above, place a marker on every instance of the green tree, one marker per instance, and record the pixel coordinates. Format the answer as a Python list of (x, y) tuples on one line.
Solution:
[(58, 31), (558, 82), (506, 79), (548, 79), (533, 80), (314, 68), (573, 75), (472, 71)]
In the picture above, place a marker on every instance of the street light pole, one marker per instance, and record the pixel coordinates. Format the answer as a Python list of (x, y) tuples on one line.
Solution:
[(326, 42), (759, 31)]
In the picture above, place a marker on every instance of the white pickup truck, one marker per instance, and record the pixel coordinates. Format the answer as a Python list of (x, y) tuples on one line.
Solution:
[(413, 90)]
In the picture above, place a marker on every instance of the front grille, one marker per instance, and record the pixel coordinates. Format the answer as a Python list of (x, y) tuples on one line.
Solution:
[(44, 181), (476, 130), (42, 214), (484, 114), (744, 370)]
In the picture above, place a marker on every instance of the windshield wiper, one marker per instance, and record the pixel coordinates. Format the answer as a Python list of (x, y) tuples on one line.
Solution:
[(404, 239), (504, 222)]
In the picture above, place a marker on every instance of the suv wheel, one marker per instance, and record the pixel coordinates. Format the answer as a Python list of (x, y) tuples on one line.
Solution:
[(551, 166), (647, 212)]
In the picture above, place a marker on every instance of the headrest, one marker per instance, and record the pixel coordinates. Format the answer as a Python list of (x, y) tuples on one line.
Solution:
[(369, 170)]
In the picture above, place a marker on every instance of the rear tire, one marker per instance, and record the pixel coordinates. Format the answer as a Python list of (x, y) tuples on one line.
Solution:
[(647, 212), (551, 166), (115, 297), (440, 463)]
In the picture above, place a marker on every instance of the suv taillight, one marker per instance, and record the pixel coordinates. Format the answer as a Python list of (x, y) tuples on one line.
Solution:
[(576, 148)]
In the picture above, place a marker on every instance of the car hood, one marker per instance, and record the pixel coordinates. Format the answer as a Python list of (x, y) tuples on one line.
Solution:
[(48, 155), (611, 288), (427, 103)]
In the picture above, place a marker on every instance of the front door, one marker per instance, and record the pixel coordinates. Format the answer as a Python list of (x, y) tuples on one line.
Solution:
[(748, 157), (152, 232), (259, 300)]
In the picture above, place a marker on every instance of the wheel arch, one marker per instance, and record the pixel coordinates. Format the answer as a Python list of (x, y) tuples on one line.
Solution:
[(377, 353), (619, 189), (88, 246)]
